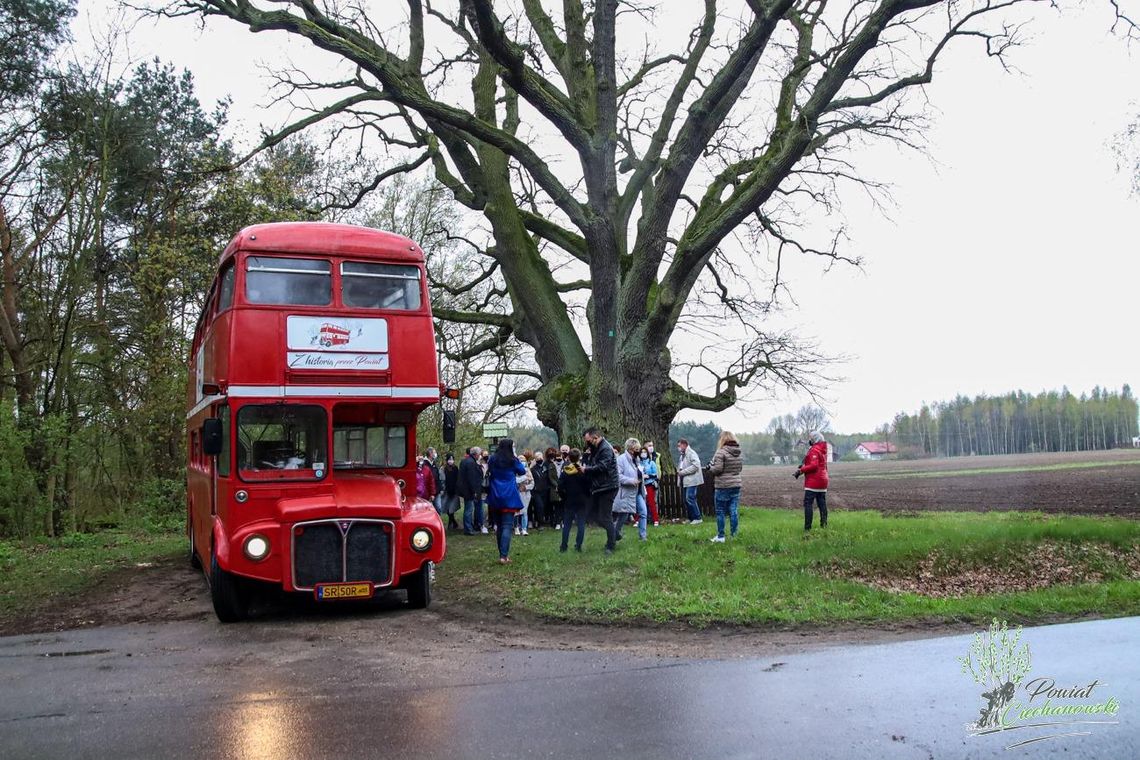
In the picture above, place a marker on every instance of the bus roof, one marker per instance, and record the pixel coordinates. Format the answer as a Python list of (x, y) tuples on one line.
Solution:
[(323, 237)]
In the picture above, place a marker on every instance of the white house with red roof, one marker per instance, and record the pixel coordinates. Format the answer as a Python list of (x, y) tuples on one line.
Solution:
[(875, 450)]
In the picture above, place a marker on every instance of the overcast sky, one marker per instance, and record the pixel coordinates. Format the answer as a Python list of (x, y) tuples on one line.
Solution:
[(1010, 258)]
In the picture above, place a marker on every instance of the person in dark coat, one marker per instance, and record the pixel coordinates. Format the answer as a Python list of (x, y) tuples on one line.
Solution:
[(450, 490), (554, 466), (503, 492), (574, 488), (431, 457), (470, 488), (600, 465), (540, 493)]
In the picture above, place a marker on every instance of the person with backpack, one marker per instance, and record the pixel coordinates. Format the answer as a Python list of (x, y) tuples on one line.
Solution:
[(814, 470)]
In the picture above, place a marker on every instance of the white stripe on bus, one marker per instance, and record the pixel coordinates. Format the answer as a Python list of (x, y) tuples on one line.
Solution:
[(370, 391), (290, 391), (204, 403)]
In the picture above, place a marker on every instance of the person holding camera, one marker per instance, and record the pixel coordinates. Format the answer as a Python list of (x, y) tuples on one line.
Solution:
[(814, 470)]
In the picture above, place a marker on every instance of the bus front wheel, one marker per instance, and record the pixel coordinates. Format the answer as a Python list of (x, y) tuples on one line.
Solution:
[(419, 587), (226, 593)]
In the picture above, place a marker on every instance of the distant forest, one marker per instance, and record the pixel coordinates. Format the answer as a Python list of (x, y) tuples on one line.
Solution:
[(1019, 423)]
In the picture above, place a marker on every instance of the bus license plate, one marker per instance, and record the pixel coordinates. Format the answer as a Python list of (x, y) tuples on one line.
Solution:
[(326, 592)]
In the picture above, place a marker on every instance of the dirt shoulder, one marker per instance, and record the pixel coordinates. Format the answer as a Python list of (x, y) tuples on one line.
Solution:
[(168, 590)]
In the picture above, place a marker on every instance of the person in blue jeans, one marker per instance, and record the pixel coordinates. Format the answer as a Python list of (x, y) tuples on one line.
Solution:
[(689, 471), (503, 469), (725, 467)]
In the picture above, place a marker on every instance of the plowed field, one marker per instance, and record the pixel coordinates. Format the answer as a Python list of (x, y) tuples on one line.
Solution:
[(1091, 482)]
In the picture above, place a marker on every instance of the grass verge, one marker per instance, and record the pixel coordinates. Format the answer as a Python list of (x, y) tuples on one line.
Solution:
[(771, 575), (47, 570)]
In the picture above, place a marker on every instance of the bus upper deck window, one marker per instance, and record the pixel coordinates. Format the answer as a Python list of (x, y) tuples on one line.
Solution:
[(380, 286), (295, 282), (226, 291)]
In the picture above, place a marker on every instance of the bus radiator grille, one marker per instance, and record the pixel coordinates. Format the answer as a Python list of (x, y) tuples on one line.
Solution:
[(334, 551), (367, 553), (318, 555)]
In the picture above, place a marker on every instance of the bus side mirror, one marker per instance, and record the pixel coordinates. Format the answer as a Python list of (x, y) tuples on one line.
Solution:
[(448, 426), (212, 437)]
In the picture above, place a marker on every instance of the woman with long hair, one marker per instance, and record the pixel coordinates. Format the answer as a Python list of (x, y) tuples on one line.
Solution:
[(725, 467), (503, 492)]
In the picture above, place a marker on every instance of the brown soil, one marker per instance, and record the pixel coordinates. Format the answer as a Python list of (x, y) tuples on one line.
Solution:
[(1045, 565), (891, 486)]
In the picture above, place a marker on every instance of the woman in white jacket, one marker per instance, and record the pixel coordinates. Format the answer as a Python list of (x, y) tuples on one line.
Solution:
[(630, 486), (526, 485)]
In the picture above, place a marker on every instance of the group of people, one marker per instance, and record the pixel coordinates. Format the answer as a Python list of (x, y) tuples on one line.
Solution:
[(565, 488)]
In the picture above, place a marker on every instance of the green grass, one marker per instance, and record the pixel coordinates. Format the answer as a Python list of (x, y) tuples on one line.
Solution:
[(48, 569), (908, 474), (771, 575)]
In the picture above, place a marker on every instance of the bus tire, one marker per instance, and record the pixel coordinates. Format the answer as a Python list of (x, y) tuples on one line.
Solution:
[(226, 593), (419, 588), (195, 560)]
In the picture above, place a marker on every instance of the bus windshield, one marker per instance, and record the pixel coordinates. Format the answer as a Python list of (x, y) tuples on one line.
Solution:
[(282, 441), (358, 446)]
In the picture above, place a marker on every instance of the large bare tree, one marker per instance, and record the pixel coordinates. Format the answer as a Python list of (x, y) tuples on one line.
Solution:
[(637, 179)]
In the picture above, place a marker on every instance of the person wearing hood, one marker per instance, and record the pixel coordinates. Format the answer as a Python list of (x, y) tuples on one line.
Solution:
[(725, 467), (814, 470)]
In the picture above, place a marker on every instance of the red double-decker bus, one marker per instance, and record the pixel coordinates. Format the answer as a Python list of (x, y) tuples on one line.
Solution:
[(311, 362)]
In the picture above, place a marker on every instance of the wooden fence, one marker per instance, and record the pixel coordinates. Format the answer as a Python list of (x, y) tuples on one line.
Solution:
[(671, 499)]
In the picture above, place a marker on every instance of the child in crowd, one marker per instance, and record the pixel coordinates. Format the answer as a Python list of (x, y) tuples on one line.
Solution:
[(526, 485), (649, 472), (574, 488)]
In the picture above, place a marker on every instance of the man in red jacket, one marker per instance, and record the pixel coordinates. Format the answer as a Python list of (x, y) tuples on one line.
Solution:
[(814, 470)]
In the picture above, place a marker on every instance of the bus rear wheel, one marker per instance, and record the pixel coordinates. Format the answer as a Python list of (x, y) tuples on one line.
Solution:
[(226, 593), (419, 587)]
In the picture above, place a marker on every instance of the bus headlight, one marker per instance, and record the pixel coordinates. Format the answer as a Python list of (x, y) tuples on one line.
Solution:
[(421, 539), (256, 547)]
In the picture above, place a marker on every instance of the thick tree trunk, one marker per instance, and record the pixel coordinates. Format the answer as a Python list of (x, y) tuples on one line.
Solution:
[(630, 402)]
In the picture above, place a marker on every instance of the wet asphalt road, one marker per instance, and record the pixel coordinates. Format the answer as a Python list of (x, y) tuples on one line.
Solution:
[(327, 689)]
